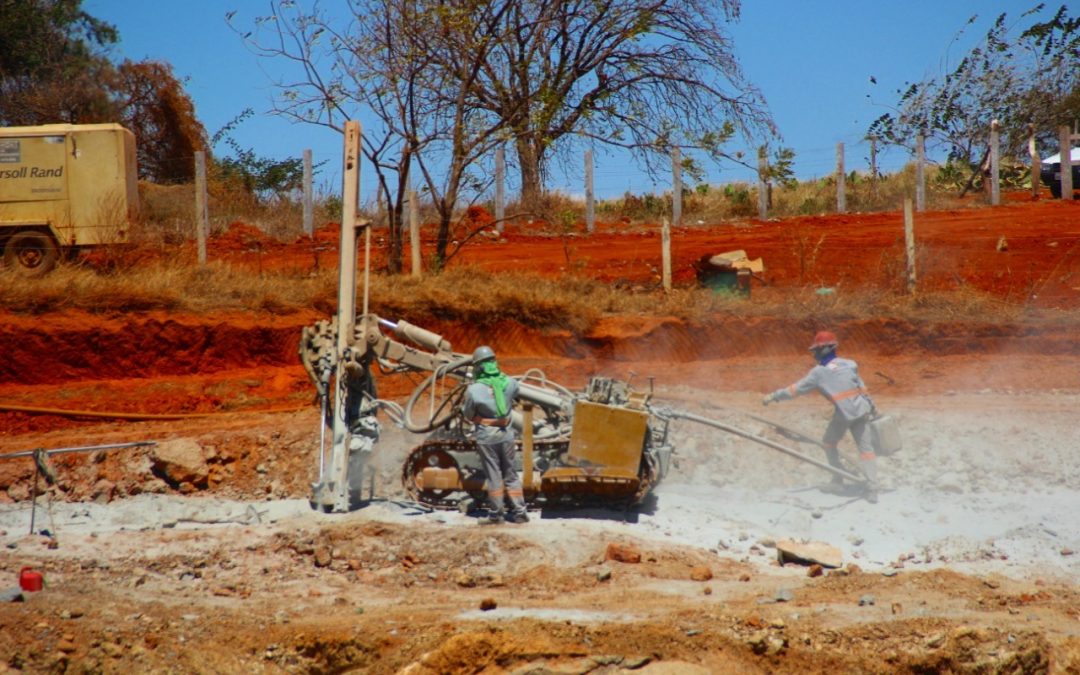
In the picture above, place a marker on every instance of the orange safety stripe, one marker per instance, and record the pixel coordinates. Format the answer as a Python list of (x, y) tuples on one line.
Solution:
[(515, 493), (497, 492), (867, 455), (850, 393)]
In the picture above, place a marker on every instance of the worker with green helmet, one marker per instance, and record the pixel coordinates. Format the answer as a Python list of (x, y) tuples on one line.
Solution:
[(489, 401), (838, 380)]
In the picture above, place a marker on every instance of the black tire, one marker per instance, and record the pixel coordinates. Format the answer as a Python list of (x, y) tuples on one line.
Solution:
[(33, 254), (1055, 190)]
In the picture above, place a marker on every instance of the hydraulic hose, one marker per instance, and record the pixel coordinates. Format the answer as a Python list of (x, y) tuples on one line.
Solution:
[(136, 417), (679, 414)]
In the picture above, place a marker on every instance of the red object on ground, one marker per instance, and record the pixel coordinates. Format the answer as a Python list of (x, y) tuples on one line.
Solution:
[(31, 581)]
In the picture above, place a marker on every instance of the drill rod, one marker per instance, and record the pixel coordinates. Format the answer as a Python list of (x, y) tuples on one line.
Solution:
[(86, 448), (765, 441)]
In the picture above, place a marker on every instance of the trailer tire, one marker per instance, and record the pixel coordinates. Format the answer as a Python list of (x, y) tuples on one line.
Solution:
[(33, 254)]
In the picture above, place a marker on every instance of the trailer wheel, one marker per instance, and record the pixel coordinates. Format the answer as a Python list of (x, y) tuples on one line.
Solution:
[(32, 253)]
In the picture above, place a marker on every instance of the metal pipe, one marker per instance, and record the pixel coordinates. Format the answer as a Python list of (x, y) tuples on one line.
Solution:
[(322, 435), (85, 448), (766, 442)]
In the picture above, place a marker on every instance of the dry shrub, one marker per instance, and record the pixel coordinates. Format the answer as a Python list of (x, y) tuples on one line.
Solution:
[(168, 212), (470, 295), (555, 212), (160, 285)]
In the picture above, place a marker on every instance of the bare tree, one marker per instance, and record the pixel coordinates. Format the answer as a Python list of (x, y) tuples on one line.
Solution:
[(414, 66), (645, 76), (450, 81)]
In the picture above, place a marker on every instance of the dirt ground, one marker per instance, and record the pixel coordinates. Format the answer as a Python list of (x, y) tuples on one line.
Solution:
[(968, 563)]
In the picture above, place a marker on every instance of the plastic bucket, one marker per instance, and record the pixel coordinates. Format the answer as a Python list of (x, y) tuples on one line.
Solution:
[(886, 435), (31, 581)]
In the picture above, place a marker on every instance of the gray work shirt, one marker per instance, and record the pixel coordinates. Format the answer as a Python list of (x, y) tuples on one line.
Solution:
[(480, 400), (839, 381)]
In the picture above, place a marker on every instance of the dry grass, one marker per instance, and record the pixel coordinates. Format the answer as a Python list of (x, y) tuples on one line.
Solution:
[(161, 286), (168, 212), (128, 281), (464, 294), (710, 204)]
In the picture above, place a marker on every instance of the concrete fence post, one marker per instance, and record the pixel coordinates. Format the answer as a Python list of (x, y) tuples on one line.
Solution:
[(309, 227), (1036, 161), (590, 196), (909, 244), (500, 188), (414, 232), (763, 186), (676, 187), (202, 209), (1066, 163), (665, 254), (841, 187), (920, 173), (995, 163)]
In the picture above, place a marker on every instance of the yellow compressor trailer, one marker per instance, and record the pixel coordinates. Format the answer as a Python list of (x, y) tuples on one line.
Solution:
[(64, 187)]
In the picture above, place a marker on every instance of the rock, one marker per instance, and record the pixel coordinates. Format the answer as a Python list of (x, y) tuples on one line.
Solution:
[(866, 600), (603, 574), (624, 553), (104, 491), (180, 461), (815, 571), (66, 645), (18, 492), (708, 590), (934, 641), (461, 578), (788, 550), (784, 595), (701, 573), (488, 604), (323, 557), (13, 594), (897, 608), (744, 577), (758, 642)]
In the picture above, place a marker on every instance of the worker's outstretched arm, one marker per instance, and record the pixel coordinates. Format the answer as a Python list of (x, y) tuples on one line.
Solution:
[(803, 386)]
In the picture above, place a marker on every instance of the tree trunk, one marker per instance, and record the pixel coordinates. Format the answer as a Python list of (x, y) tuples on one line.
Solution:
[(394, 220), (442, 241), (531, 163)]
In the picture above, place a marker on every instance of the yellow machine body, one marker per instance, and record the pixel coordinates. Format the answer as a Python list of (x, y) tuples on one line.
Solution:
[(604, 457)]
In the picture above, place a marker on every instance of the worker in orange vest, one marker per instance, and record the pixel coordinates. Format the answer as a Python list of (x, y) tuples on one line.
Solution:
[(838, 380)]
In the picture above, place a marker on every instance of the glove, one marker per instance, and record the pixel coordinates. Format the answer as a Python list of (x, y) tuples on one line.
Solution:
[(769, 398)]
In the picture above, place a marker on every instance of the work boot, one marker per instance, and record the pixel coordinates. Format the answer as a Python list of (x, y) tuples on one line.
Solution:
[(871, 492), (493, 519), (521, 517)]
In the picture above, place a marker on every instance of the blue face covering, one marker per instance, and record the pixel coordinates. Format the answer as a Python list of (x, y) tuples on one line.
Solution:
[(823, 357), (490, 375)]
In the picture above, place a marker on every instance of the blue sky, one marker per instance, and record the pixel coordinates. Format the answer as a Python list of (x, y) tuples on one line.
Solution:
[(812, 61)]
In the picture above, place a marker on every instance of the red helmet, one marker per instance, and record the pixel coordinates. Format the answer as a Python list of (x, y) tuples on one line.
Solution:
[(824, 340)]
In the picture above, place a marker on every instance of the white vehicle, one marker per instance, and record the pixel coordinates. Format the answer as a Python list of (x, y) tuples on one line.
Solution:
[(1051, 171)]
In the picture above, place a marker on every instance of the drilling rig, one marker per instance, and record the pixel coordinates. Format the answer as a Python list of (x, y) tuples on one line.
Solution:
[(608, 443)]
